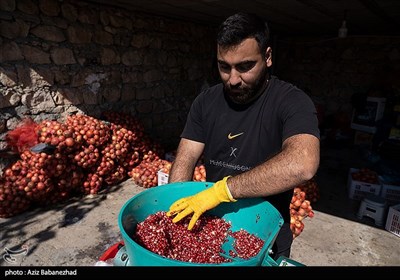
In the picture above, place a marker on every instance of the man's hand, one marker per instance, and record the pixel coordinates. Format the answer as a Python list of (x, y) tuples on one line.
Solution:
[(200, 202)]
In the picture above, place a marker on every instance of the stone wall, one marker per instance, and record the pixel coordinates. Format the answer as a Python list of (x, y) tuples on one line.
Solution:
[(334, 70), (64, 57)]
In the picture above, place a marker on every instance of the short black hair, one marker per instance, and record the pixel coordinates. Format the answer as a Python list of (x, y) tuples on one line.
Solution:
[(241, 26)]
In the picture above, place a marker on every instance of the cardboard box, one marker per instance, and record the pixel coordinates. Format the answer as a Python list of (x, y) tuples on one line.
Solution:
[(391, 193), (357, 190), (393, 220), (363, 138), (394, 133), (162, 178)]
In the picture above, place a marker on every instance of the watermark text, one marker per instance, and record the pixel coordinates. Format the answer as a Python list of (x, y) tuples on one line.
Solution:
[(40, 272)]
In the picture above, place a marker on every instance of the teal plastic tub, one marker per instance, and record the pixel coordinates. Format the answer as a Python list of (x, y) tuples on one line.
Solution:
[(254, 215)]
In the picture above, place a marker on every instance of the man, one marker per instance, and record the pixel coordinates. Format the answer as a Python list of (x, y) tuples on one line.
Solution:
[(259, 135)]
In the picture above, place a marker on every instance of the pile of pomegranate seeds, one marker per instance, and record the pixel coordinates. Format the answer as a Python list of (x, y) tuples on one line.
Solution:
[(246, 245), (202, 244)]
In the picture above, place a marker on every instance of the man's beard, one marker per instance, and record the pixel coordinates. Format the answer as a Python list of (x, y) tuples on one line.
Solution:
[(245, 95)]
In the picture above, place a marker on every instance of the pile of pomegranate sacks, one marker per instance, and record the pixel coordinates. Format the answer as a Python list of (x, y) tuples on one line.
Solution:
[(89, 155), (300, 206)]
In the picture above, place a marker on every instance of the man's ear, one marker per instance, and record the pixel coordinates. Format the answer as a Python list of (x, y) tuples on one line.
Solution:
[(268, 56)]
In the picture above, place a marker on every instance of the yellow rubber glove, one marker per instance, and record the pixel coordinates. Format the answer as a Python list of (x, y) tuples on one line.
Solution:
[(201, 202)]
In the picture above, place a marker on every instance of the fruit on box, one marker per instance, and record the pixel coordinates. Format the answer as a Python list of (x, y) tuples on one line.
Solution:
[(365, 175)]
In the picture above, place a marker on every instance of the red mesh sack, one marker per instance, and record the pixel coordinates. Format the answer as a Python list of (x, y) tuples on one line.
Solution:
[(24, 136)]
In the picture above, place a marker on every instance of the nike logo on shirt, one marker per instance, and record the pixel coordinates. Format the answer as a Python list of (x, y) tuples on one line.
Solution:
[(230, 137)]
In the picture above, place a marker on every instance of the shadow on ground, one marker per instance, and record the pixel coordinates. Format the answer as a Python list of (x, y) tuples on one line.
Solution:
[(73, 211)]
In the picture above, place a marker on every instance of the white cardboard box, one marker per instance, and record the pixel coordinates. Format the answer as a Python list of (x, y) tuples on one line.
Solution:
[(357, 190), (162, 178), (393, 220)]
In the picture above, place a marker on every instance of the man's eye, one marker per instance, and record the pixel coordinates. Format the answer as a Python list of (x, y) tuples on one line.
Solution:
[(224, 67), (245, 66)]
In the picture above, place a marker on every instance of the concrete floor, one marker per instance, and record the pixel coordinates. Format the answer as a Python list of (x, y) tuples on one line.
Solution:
[(77, 233), (335, 236)]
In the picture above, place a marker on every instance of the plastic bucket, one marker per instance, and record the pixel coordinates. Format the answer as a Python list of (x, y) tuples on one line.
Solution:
[(254, 215)]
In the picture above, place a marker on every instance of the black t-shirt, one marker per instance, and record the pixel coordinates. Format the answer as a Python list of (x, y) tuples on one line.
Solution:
[(238, 138)]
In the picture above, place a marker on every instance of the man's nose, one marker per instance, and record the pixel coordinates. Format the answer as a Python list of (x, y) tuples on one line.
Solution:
[(234, 78)]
